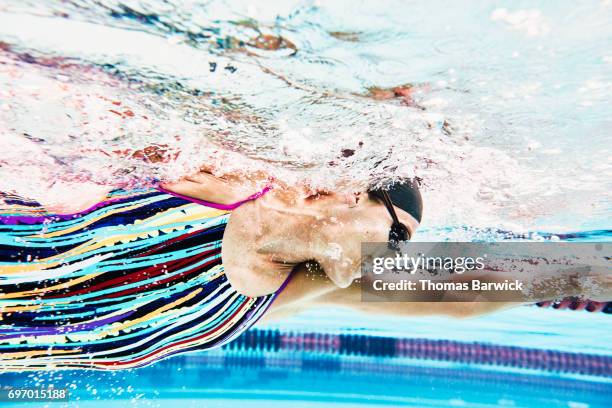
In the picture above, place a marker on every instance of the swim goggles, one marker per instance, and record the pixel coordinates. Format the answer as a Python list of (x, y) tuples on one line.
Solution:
[(398, 232)]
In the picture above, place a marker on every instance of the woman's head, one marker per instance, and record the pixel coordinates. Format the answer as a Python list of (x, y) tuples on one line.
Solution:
[(366, 219), (392, 211)]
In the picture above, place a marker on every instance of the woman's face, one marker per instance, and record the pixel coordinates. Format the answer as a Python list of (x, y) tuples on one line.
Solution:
[(377, 220), (365, 220)]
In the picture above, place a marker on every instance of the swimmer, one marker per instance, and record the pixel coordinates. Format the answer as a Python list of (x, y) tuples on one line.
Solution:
[(145, 274), (189, 265)]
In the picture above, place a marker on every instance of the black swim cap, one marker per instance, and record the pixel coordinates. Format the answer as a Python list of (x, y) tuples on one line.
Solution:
[(406, 195)]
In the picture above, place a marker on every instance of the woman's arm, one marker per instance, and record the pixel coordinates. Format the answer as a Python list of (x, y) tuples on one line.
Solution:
[(310, 288), (65, 197), (71, 197)]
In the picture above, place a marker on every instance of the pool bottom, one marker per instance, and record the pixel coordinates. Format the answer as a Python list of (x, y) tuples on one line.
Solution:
[(256, 377), (220, 379)]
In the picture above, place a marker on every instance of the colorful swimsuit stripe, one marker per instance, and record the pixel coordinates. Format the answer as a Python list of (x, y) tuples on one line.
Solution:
[(131, 280)]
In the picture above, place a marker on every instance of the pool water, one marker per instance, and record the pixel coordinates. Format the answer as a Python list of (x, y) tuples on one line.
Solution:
[(501, 108), (293, 363), (504, 108)]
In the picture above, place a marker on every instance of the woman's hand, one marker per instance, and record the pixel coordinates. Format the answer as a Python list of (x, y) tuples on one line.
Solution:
[(205, 186)]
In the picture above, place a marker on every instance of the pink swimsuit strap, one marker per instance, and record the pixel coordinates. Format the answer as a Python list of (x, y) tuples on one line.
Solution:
[(230, 207), (225, 207)]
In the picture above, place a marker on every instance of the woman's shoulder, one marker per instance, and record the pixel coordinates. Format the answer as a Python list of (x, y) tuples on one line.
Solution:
[(258, 252)]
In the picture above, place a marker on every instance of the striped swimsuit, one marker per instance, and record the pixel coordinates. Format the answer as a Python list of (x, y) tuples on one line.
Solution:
[(130, 281)]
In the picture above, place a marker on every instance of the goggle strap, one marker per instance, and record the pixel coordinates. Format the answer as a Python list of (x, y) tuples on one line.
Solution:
[(387, 201)]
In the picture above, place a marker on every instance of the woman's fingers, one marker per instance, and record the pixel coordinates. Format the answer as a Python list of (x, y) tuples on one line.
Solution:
[(208, 188), (185, 187)]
